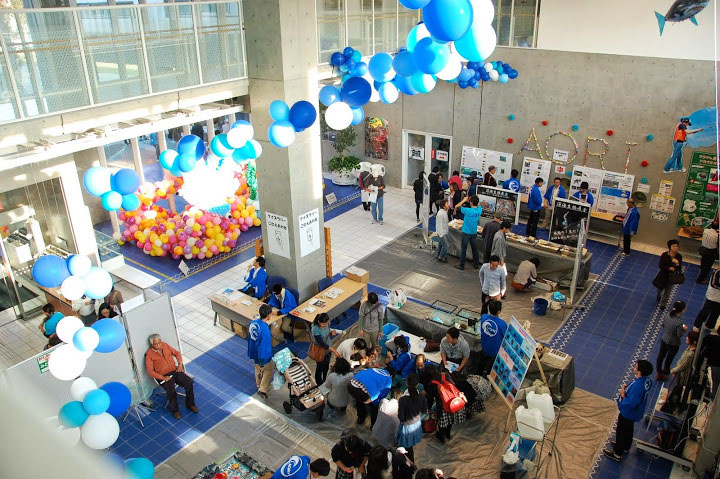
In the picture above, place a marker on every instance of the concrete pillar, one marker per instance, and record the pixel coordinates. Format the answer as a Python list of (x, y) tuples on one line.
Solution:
[(137, 158), (113, 214), (282, 65)]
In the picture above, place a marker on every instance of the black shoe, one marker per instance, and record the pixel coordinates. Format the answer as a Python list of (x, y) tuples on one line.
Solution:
[(461, 268), (447, 435), (262, 395), (440, 437), (610, 454)]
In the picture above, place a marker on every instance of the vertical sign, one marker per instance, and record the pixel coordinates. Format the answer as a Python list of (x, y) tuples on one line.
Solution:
[(511, 363), (278, 234), (309, 232), (43, 363), (700, 199), (566, 218)]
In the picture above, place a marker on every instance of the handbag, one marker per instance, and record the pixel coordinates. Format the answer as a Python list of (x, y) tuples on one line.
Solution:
[(316, 353), (676, 277), (429, 425)]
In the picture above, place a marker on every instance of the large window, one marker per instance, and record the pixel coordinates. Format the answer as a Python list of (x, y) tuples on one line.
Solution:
[(515, 22)]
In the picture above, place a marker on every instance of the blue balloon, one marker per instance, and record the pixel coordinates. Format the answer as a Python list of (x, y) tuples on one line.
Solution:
[(575, 127), (50, 271), (98, 283), (175, 171), (404, 84), (462, 84), (348, 52), (504, 78), (111, 200), (186, 162), (96, 401), (388, 92), (240, 155), (500, 69), (256, 149), (349, 65), (343, 67), (511, 117), (380, 67), (130, 202), (404, 64), (345, 77), (466, 74), (474, 65), (78, 265), (167, 158), (220, 146), (281, 134), (337, 59), (485, 76), (472, 82), (125, 181), (423, 82), (112, 335), (431, 57), (279, 111), (360, 69), (650, 138), (358, 115), (72, 414), (356, 91), (96, 180), (414, 4), (513, 74), (139, 468), (448, 20), (418, 31), (357, 56), (478, 75), (302, 115), (191, 145), (329, 95)]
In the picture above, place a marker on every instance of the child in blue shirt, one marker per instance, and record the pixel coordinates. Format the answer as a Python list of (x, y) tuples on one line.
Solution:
[(402, 362)]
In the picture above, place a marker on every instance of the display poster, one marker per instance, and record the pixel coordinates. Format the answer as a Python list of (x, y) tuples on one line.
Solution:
[(561, 156), (43, 363), (567, 216), (376, 138), (700, 199), (593, 177), (480, 159), (533, 168), (665, 188), (497, 199), (278, 234), (416, 153), (610, 189), (512, 361), (309, 224), (662, 203)]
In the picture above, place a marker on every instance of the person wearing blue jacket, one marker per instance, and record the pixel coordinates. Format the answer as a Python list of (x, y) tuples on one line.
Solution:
[(630, 225), (284, 301), (512, 184), (555, 191), (256, 279), (368, 387), (631, 404), (300, 467), (492, 332), (584, 194), (535, 205), (402, 362), (260, 349)]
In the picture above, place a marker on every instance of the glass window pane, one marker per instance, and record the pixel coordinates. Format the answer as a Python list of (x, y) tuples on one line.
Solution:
[(502, 21), (113, 52), (170, 43), (360, 25), (407, 19), (330, 27), (386, 25), (220, 40), (8, 107), (524, 23)]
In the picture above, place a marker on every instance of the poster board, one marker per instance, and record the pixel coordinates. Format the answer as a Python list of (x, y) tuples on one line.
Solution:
[(376, 138), (278, 234), (533, 168), (479, 159), (511, 363), (493, 199), (700, 199), (567, 216), (593, 177), (309, 232), (609, 188)]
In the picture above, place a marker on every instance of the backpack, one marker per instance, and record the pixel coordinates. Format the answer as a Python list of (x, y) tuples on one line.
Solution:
[(667, 435), (451, 398)]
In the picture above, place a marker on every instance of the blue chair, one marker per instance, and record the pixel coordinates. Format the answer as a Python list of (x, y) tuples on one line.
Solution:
[(324, 284), (273, 280)]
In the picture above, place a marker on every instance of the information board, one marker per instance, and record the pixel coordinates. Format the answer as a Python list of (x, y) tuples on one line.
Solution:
[(511, 363), (278, 234), (494, 199), (567, 216), (609, 188), (594, 180), (479, 159), (309, 232), (532, 169), (700, 199)]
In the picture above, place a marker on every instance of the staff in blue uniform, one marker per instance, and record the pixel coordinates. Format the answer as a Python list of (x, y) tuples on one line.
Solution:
[(284, 301), (535, 205), (555, 191), (300, 467), (256, 279), (584, 194), (632, 409), (368, 387), (260, 349), (630, 225), (512, 184), (403, 361)]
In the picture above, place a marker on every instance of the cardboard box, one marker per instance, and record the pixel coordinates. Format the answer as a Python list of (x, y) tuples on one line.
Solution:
[(240, 330), (225, 322), (357, 274), (276, 333)]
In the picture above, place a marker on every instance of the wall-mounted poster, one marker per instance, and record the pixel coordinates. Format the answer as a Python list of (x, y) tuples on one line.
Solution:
[(511, 363), (309, 232), (480, 159), (700, 199), (566, 218), (497, 199), (592, 176), (610, 189), (376, 138), (533, 168), (278, 234)]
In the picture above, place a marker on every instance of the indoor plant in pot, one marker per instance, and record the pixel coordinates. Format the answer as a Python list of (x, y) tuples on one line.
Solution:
[(344, 168)]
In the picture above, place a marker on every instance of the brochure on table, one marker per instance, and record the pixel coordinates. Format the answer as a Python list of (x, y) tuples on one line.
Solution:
[(609, 188), (567, 216), (700, 198), (479, 159), (532, 169), (512, 361), (494, 199)]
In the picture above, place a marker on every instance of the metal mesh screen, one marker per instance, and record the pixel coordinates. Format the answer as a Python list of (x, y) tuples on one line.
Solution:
[(220, 41), (407, 19)]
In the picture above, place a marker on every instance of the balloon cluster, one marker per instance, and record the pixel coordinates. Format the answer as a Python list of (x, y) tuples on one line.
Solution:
[(474, 72), (344, 105), (116, 190), (238, 143), (93, 411), (76, 276), (288, 121), (190, 149)]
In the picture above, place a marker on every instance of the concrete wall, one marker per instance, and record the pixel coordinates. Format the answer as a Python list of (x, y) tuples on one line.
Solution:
[(624, 28), (630, 95)]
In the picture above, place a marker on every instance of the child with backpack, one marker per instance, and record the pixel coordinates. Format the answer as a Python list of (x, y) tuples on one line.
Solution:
[(448, 400)]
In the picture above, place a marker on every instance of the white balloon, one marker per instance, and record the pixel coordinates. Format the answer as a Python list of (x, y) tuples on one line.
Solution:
[(451, 70), (494, 75), (339, 115), (80, 387), (483, 11), (238, 136), (66, 363), (67, 327), (374, 96), (73, 287), (488, 41), (100, 431), (86, 340), (488, 67), (81, 265)]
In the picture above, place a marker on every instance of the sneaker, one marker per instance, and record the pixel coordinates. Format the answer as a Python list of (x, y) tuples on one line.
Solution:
[(262, 395), (194, 409), (610, 454), (177, 415), (461, 268), (381, 223), (443, 260)]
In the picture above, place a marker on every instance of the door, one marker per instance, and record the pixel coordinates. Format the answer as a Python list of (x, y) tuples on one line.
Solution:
[(423, 152)]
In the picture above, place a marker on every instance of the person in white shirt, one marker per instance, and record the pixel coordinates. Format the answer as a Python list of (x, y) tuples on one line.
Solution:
[(441, 228), (347, 348), (708, 251), (526, 274), (86, 309), (492, 280)]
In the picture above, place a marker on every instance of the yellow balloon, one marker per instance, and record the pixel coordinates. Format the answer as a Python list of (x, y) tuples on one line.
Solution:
[(251, 209), (195, 250), (256, 222), (244, 213), (253, 215), (196, 227), (208, 254)]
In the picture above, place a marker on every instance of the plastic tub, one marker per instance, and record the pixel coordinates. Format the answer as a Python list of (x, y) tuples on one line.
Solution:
[(389, 330), (540, 306)]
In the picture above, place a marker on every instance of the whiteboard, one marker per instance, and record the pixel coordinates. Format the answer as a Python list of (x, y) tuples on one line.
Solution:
[(480, 159), (154, 316)]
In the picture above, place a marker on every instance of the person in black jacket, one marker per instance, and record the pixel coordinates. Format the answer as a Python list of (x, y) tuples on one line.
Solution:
[(411, 409), (382, 461), (670, 262), (418, 189), (711, 351), (434, 185), (445, 419), (349, 454)]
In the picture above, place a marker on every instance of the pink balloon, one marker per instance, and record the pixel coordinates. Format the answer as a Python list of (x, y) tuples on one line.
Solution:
[(244, 227), (172, 239), (174, 256), (195, 234), (165, 246), (216, 220), (147, 247), (200, 243), (140, 245), (187, 249), (182, 236), (232, 243), (121, 216), (131, 220), (248, 221), (201, 256)]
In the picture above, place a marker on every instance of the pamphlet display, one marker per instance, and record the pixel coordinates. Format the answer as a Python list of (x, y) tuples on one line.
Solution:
[(610, 189), (479, 159), (700, 199), (531, 170), (494, 199), (512, 361), (567, 216)]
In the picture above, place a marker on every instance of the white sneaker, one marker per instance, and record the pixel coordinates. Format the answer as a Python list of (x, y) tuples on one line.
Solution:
[(381, 223)]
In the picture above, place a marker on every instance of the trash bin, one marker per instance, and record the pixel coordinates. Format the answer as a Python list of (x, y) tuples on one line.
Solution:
[(540, 306)]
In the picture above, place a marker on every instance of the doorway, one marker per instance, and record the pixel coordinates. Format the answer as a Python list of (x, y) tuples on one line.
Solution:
[(423, 152)]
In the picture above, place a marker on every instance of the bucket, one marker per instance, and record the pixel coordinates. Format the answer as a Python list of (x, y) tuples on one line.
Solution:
[(540, 306)]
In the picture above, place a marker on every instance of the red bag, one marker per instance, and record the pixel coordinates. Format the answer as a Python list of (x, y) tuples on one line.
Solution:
[(451, 398)]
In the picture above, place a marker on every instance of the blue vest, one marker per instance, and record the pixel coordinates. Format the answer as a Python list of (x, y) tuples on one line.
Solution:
[(376, 381), (259, 342), (296, 467)]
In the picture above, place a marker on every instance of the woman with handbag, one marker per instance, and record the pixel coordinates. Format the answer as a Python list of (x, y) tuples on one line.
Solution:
[(411, 409), (670, 273), (320, 346)]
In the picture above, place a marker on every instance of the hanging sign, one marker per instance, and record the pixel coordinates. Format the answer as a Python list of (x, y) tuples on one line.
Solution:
[(561, 156), (494, 199), (480, 159), (416, 153), (309, 232), (278, 234), (441, 155)]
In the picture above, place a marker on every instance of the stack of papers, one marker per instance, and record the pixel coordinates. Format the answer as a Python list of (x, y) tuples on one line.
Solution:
[(334, 293)]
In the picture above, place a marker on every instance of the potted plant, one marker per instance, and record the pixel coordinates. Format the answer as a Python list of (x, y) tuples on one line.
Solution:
[(344, 168)]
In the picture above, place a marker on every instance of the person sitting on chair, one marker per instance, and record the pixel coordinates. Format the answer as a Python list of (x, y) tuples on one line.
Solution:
[(160, 365), (256, 279), (285, 302)]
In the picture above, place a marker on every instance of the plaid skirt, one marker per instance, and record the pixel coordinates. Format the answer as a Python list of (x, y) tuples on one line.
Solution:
[(476, 406), (340, 474), (446, 419)]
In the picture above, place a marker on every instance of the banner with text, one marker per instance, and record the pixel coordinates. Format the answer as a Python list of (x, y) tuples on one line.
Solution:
[(480, 159), (567, 216), (494, 199)]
